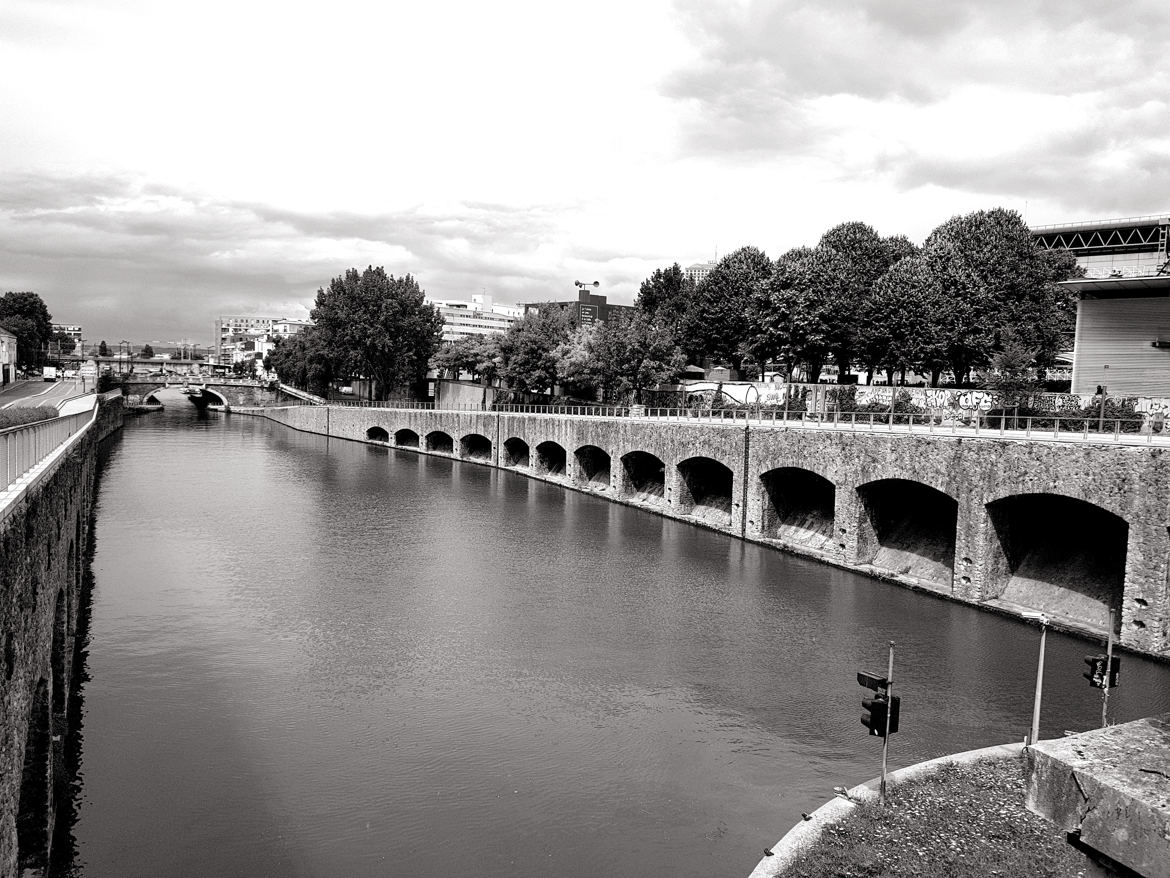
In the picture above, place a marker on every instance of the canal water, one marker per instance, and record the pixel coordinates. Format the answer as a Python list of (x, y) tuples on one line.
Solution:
[(310, 657)]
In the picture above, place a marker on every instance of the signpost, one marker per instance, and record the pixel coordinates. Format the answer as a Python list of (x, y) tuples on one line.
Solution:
[(882, 711)]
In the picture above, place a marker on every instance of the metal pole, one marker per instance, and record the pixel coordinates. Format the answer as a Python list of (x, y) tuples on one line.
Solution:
[(1108, 674), (889, 709), (1039, 684)]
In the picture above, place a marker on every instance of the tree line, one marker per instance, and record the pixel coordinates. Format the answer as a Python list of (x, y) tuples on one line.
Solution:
[(978, 294)]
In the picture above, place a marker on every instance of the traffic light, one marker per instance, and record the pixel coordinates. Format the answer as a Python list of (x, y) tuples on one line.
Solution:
[(1096, 673), (875, 709)]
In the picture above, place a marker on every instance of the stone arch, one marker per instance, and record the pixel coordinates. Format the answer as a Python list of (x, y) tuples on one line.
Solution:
[(207, 391), (551, 459), (593, 467), (33, 811), (797, 507), (515, 452), (1058, 555), (440, 442), (406, 438), (643, 478), (378, 434), (908, 528), (705, 490), (475, 446)]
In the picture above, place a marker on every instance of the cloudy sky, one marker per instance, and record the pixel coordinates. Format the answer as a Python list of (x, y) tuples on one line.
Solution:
[(165, 162)]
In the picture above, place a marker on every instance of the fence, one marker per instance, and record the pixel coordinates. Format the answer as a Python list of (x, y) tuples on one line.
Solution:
[(23, 447)]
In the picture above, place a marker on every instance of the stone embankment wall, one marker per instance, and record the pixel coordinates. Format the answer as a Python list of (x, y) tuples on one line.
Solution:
[(1071, 530), (43, 544)]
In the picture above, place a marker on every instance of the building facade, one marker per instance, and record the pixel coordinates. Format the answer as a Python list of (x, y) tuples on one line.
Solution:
[(478, 317), (236, 336), (698, 272), (1122, 341), (589, 308), (7, 356)]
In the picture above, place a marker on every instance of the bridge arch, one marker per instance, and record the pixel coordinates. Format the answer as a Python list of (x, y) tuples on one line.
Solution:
[(908, 528), (1057, 554), (705, 490), (475, 446), (551, 459), (797, 507), (405, 438), (643, 478), (378, 434), (593, 467), (516, 454), (439, 442)]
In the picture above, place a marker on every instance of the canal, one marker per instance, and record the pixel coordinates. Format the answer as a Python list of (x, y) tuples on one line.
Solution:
[(317, 658)]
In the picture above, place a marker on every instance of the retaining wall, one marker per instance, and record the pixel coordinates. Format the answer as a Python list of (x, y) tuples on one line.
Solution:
[(44, 537), (1071, 530)]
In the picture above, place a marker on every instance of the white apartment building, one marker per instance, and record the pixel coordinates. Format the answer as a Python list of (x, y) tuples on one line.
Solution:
[(698, 271), (231, 333), (480, 316)]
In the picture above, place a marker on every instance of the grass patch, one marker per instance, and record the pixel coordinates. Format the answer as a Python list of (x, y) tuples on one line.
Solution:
[(15, 417), (965, 821)]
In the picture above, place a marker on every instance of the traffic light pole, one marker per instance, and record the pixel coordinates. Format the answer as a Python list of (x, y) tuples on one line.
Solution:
[(1108, 674), (889, 711)]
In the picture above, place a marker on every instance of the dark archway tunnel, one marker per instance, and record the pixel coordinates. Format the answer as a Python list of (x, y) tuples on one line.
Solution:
[(406, 438), (705, 490), (644, 477), (908, 528), (798, 507), (440, 442), (550, 459), (593, 467), (515, 453), (474, 446)]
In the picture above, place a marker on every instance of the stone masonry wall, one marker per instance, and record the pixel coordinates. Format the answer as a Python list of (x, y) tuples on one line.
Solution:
[(1130, 482), (43, 541)]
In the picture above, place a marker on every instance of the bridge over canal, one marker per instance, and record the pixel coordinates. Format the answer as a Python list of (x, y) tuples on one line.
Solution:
[(1072, 529), (203, 391)]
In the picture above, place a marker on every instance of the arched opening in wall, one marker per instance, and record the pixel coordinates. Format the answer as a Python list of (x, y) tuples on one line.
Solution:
[(908, 528), (705, 490), (473, 446), (644, 478), (406, 439), (1058, 555), (378, 434), (797, 507), (32, 814), (440, 442), (515, 452), (550, 459), (593, 467)]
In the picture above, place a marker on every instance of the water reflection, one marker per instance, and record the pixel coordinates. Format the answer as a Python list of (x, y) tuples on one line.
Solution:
[(312, 657)]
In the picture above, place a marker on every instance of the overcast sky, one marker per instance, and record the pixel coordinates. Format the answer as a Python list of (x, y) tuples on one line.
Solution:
[(165, 162)]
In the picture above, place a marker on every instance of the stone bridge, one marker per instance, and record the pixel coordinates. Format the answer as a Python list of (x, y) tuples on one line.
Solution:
[(1070, 530), (225, 392)]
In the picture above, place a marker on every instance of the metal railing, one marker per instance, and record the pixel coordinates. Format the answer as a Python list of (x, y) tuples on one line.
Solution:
[(23, 447), (1079, 428)]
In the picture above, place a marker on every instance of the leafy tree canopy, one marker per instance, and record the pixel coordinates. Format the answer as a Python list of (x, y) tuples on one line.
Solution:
[(24, 315), (721, 322), (103, 349), (374, 325), (529, 349)]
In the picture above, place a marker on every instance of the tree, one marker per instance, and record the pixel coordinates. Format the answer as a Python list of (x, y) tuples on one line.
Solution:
[(147, 351), (302, 361), (863, 257), (720, 322), (529, 349), (62, 342), (666, 297), (476, 354), (377, 326), (796, 312), (24, 315), (103, 349), (994, 277), (901, 326)]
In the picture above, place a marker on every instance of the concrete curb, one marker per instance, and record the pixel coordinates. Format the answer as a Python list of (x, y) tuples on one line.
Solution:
[(798, 839)]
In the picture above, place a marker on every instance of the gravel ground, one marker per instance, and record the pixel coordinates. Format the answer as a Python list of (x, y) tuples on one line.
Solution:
[(961, 822)]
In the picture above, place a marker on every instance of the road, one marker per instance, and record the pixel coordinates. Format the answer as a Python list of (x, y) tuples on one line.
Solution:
[(34, 393)]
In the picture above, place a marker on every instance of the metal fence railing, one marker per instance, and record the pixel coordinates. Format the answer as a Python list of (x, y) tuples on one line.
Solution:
[(23, 447)]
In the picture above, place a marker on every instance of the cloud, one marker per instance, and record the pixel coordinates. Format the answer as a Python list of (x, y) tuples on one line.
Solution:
[(1059, 100), (116, 252)]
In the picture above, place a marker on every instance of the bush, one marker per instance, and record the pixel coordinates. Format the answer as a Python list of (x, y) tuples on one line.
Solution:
[(16, 417)]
